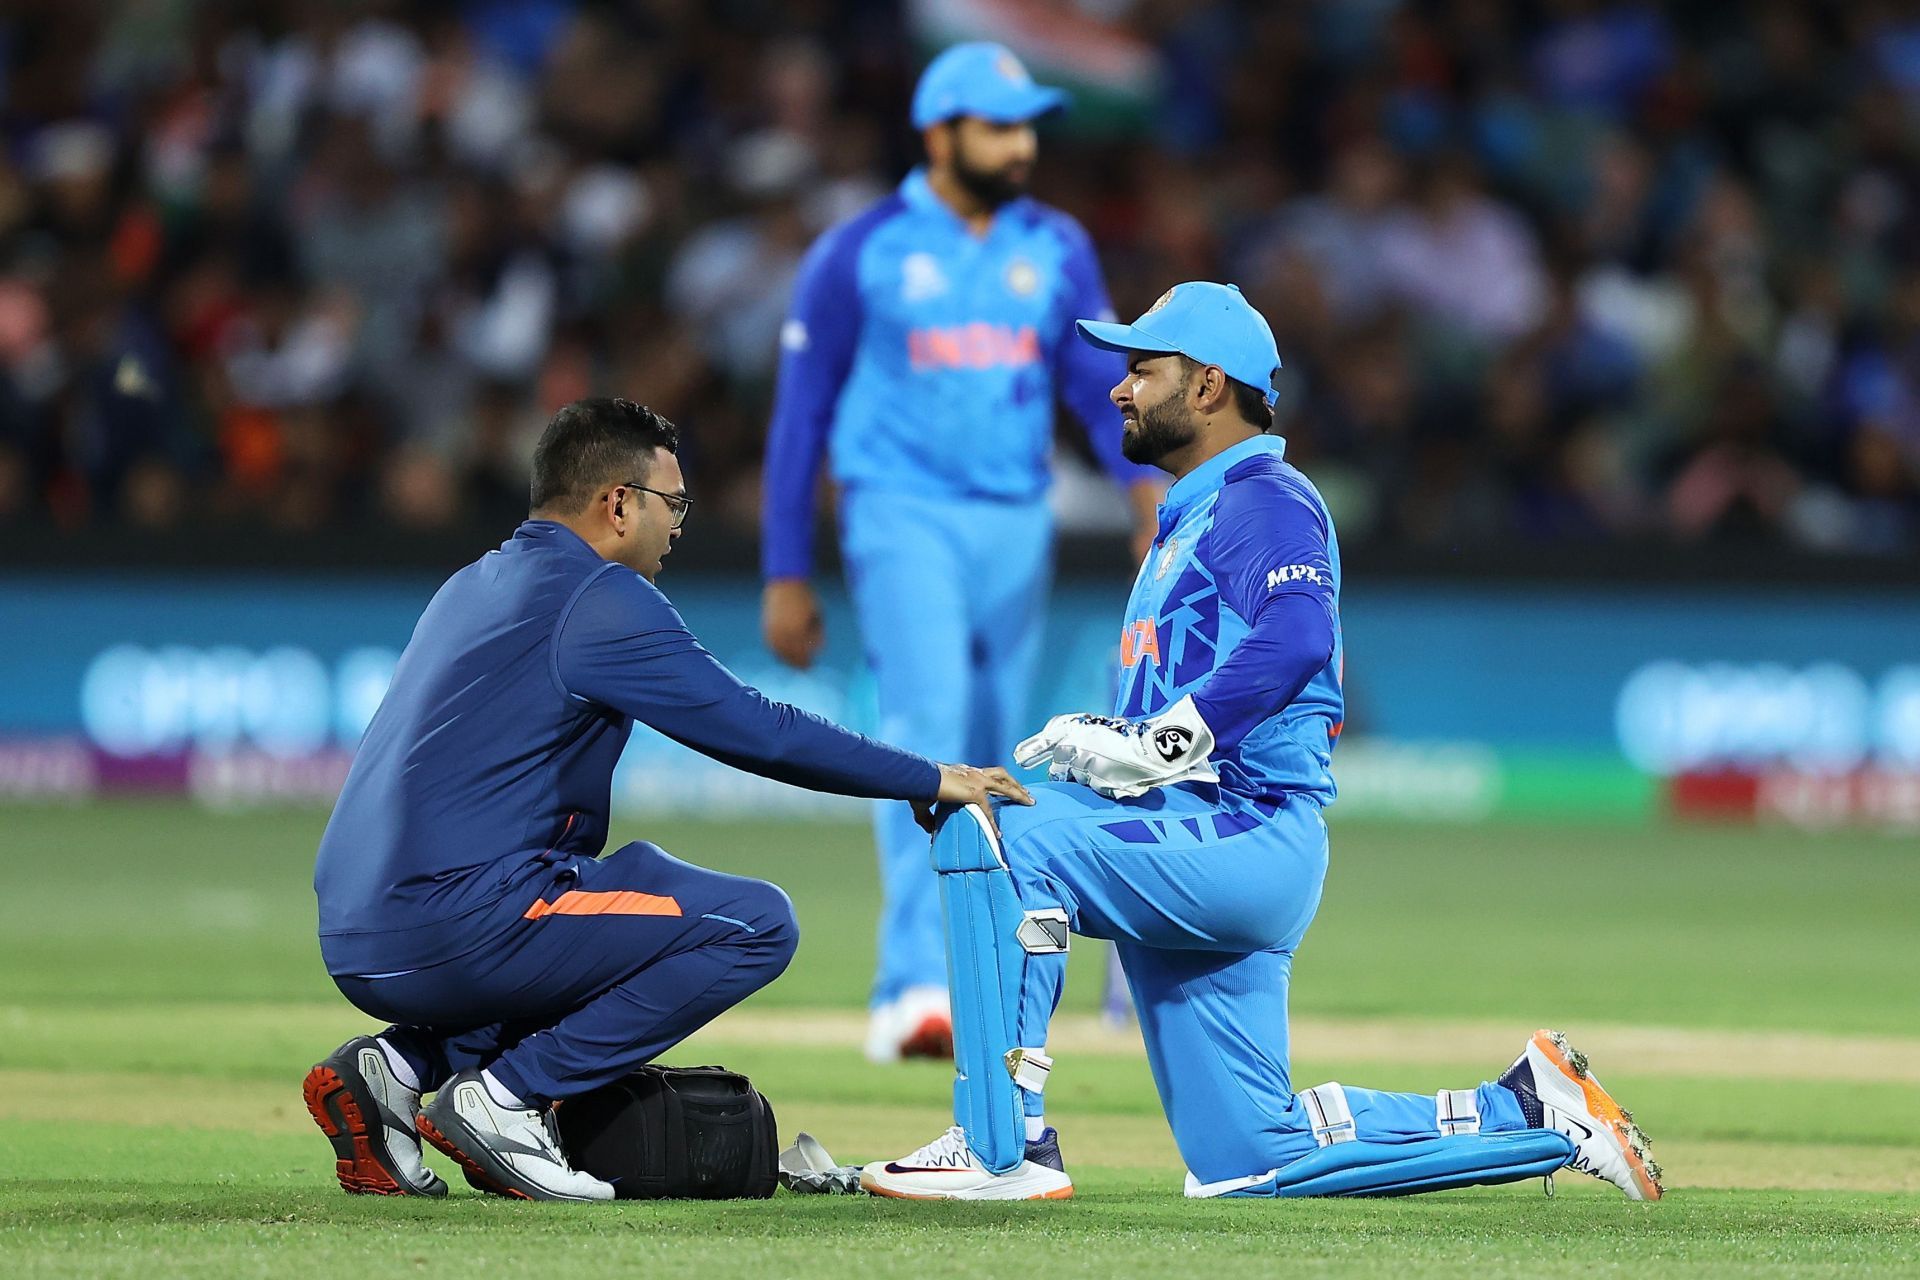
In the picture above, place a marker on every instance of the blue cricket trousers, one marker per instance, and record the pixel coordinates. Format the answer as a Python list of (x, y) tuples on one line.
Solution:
[(606, 965), (1206, 895)]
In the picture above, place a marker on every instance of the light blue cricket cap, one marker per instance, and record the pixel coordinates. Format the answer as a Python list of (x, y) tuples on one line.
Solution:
[(983, 79), (1207, 322)]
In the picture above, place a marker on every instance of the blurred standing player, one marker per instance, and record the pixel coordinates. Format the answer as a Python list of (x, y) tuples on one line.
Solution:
[(1187, 828), (929, 339)]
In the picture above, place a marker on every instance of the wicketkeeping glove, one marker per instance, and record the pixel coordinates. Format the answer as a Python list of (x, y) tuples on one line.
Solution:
[(1124, 758)]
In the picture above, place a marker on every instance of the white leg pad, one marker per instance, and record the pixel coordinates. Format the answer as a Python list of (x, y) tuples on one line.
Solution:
[(1327, 1108), (1456, 1112)]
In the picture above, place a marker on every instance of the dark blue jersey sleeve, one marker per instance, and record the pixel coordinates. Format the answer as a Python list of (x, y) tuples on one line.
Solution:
[(622, 645), (816, 351), (1083, 373), (1268, 552)]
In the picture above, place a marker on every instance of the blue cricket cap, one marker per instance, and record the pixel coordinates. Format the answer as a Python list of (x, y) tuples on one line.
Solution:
[(1207, 322), (981, 79)]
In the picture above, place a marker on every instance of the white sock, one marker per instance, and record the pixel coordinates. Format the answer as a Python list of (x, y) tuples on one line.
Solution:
[(503, 1095), (402, 1069), (1036, 1127)]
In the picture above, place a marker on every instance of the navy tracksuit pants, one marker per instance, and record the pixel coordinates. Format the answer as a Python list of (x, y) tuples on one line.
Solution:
[(609, 964)]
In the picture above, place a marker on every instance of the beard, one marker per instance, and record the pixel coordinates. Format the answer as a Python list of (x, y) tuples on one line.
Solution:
[(1158, 432), (992, 187)]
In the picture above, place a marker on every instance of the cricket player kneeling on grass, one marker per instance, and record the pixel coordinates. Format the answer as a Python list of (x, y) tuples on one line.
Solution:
[(1187, 828)]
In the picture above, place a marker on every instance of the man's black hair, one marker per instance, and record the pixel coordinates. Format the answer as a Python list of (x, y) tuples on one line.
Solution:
[(592, 444), (1249, 402)]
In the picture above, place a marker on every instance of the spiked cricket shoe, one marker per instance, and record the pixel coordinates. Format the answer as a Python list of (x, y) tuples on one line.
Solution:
[(369, 1116), (504, 1150), (947, 1169), (1557, 1091)]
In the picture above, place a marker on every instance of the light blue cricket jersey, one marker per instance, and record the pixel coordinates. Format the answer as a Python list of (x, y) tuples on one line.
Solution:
[(923, 359), (1238, 534)]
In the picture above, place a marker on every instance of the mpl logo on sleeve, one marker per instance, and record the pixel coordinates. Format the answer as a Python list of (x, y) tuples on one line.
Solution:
[(1292, 573)]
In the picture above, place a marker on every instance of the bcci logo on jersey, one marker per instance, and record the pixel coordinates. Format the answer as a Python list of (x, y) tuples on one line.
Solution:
[(1023, 278), (1166, 559)]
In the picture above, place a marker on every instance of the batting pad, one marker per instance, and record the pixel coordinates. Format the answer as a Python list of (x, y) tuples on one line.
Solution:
[(989, 936), (1406, 1168)]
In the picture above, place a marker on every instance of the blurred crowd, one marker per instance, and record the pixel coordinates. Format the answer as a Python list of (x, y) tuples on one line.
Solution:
[(1564, 270)]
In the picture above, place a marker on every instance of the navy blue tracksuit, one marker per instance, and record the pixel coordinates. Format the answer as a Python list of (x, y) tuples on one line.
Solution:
[(461, 892)]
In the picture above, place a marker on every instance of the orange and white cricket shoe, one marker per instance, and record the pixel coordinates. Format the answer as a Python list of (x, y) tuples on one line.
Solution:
[(1558, 1092), (368, 1115), (947, 1169), (919, 1024)]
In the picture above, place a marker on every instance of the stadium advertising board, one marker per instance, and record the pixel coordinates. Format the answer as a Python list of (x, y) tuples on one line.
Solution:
[(1462, 702)]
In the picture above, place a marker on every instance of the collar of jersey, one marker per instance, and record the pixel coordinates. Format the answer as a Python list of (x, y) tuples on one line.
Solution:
[(555, 534), (919, 194), (1209, 476)]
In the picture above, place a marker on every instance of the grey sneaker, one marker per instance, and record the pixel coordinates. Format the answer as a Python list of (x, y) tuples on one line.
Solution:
[(369, 1117), (503, 1150)]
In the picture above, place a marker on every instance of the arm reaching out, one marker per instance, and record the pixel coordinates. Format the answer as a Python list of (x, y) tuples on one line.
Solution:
[(623, 646)]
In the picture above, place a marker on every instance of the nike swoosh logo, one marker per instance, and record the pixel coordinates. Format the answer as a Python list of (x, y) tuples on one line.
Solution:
[(507, 1146), (903, 1168), (1576, 1124)]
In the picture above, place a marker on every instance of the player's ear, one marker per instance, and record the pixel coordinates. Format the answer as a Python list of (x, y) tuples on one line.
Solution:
[(1209, 388)]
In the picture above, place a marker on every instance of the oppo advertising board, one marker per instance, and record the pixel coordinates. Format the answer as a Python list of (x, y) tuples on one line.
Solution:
[(1462, 701)]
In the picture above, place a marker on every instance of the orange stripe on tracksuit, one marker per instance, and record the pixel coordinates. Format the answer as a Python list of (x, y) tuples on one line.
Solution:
[(622, 902)]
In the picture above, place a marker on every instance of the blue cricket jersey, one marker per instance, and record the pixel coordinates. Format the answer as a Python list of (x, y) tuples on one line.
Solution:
[(1238, 604), (923, 359), (492, 754)]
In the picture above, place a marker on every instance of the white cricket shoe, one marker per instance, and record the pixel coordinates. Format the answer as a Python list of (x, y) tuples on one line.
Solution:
[(946, 1169), (1556, 1091), (919, 1024), (368, 1115), (504, 1150)]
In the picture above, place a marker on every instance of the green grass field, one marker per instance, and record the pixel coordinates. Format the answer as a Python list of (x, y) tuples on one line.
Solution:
[(1750, 995)]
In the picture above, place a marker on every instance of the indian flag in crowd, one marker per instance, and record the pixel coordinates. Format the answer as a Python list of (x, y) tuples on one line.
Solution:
[(1080, 45)]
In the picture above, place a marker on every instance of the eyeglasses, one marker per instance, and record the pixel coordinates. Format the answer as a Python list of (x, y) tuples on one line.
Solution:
[(678, 504)]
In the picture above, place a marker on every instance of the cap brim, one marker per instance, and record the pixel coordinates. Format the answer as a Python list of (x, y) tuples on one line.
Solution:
[(1028, 104), (1112, 336)]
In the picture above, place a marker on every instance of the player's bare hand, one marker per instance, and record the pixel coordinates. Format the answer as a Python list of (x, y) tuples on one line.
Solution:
[(790, 621), (967, 784)]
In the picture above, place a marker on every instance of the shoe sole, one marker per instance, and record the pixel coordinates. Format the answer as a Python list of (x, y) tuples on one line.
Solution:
[(888, 1193), (478, 1176), (933, 1038), (340, 1115), (1632, 1140)]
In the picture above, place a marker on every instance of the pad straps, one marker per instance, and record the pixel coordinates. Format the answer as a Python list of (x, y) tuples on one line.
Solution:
[(1456, 1112), (1329, 1114)]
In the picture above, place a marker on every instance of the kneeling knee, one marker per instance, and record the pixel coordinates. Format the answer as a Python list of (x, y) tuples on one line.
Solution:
[(769, 914)]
